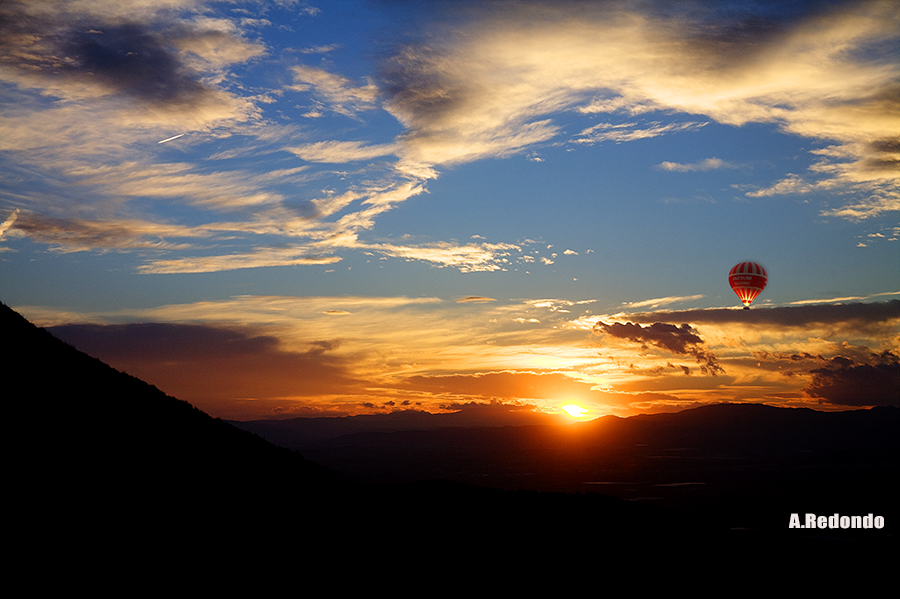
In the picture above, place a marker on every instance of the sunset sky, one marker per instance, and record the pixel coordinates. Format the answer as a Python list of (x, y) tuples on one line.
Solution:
[(285, 208)]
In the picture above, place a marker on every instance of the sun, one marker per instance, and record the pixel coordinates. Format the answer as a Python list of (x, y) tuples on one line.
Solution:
[(575, 411)]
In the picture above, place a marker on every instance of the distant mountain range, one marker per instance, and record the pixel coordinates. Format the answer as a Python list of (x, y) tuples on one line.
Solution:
[(100, 454), (745, 463)]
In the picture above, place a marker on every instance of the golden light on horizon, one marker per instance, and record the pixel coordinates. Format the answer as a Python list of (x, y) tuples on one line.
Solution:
[(575, 411)]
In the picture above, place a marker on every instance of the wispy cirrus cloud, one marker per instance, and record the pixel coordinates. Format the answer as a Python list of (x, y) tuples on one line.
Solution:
[(707, 164), (624, 132), (877, 201), (470, 257), (341, 151), (661, 301), (843, 300), (255, 258)]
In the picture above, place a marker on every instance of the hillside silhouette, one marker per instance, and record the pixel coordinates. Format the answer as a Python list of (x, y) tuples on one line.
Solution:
[(103, 455)]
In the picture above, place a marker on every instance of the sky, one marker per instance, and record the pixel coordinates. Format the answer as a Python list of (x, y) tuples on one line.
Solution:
[(284, 208)]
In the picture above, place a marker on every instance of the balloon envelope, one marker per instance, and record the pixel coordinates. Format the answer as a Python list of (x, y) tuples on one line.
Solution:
[(748, 279)]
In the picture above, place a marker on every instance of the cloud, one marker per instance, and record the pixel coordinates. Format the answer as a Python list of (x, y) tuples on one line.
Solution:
[(80, 234), (679, 340), (842, 300), (255, 258), (218, 43), (338, 92), (496, 85), (79, 51), (328, 238), (704, 165), (503, 385), (87, 86), (470, 257), (214, 366), (221, 191), (870, 317), (439, 351), (5, 225), (383, 340), (659, 301), (630, 131), (844, 381), (520, 386), (131, 60), (87, 83), (341, 151), (668, 336), (790, 184), (877, 203)]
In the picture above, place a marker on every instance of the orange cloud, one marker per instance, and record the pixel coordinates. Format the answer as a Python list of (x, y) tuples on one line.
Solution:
[(261, 355), (221, 370)]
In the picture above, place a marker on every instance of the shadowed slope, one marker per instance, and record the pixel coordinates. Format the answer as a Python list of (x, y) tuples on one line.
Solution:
[(102, 453)]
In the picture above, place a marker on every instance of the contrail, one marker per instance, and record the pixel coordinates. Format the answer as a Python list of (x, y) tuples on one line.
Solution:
[(171, 138)]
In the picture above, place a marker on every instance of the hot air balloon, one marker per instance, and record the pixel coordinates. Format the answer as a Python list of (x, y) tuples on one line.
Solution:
[(748, 279)]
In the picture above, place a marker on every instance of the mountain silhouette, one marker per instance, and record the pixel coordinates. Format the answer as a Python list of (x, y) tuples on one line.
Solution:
[(741, 466)]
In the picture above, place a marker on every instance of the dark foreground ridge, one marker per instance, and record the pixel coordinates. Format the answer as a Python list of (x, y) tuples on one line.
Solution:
[(101, 455)]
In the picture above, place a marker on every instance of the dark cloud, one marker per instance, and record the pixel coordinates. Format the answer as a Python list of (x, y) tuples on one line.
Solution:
[(82, 234), (132, 59), (884, 152), (682, 340), (213, 367), (862, 317), (886, 145), (163, 341), (129, 59), (668, 336), (751, 22), (847, 382)]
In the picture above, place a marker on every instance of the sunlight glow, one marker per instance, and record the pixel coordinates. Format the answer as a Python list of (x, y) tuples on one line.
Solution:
[(575, 411)]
